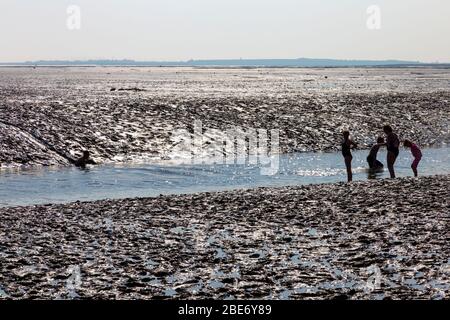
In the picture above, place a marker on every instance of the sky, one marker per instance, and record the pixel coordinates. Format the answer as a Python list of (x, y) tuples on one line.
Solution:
[(174, 30)]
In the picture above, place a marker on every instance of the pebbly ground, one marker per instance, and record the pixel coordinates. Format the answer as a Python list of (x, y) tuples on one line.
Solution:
[(50, 114), (386, 239)]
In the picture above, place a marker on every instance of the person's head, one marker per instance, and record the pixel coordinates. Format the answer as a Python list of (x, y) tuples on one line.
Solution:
[(380, 140), (346, 134), (407, 143), (387, 129), (86, 154)]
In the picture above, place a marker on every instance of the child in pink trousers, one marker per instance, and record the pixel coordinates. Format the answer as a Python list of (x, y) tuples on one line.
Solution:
[(417, 154)]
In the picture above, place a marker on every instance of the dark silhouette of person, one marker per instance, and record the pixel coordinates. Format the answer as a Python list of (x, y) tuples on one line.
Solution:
[(374, 164), (393, 148), (347, 145), (83, 160)]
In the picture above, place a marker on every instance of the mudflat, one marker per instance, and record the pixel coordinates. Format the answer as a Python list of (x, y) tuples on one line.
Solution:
[(129, 114), (385, 239)]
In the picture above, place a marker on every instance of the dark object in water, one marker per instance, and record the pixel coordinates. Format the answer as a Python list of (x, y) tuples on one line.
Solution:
[(83, 160), (374, 164), (135, 89)]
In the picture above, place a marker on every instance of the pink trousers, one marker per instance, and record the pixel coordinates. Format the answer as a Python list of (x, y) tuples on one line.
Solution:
[(416, 162)]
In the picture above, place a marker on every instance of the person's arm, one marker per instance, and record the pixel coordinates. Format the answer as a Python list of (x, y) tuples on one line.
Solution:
[(90, 161), (353, 144), (397, 142)]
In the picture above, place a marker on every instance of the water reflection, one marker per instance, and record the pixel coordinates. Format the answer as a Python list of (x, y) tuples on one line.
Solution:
[(59, 185), (373, 174)]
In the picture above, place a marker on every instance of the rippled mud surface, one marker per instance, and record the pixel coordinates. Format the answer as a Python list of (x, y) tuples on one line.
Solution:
[(129, 114), (384, 239)]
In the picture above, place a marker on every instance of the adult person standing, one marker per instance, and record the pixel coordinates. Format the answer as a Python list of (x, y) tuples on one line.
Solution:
[(347, 145), (393, 148)]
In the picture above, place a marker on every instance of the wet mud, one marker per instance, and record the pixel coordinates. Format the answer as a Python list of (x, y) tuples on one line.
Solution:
[(386, 239)]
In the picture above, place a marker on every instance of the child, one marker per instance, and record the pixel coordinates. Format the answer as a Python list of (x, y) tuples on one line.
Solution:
[(347, 145), (374, 164), (417, 154)]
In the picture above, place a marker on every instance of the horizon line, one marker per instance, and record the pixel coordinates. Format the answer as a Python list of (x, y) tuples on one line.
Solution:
[(311, 62)]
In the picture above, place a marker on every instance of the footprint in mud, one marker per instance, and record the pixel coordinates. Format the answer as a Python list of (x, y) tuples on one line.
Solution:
[(220, 254), (197, 288), (295, 259), (3, 294), (216, 284), (260, 254), (150, 264), (169, 292), (313, 232), (306, 290), (178, 230), (285, 295)]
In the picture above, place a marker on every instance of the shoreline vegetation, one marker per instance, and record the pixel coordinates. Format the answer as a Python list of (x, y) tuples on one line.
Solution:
[(389, 242)]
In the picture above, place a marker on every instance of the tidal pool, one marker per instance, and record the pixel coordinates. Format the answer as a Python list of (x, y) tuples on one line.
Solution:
[(67, 184)]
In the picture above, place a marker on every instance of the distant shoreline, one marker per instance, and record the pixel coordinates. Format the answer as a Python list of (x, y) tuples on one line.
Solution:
[(421, 66), (232, 63)]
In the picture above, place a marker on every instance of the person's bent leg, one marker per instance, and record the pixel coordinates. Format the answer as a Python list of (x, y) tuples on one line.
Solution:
[(414, 169), (378, 164)]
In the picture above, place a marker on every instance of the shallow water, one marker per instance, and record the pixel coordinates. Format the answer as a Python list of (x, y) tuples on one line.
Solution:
[(60, 185)]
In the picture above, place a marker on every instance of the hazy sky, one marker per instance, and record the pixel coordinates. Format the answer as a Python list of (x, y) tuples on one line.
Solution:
[(208, 29)]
